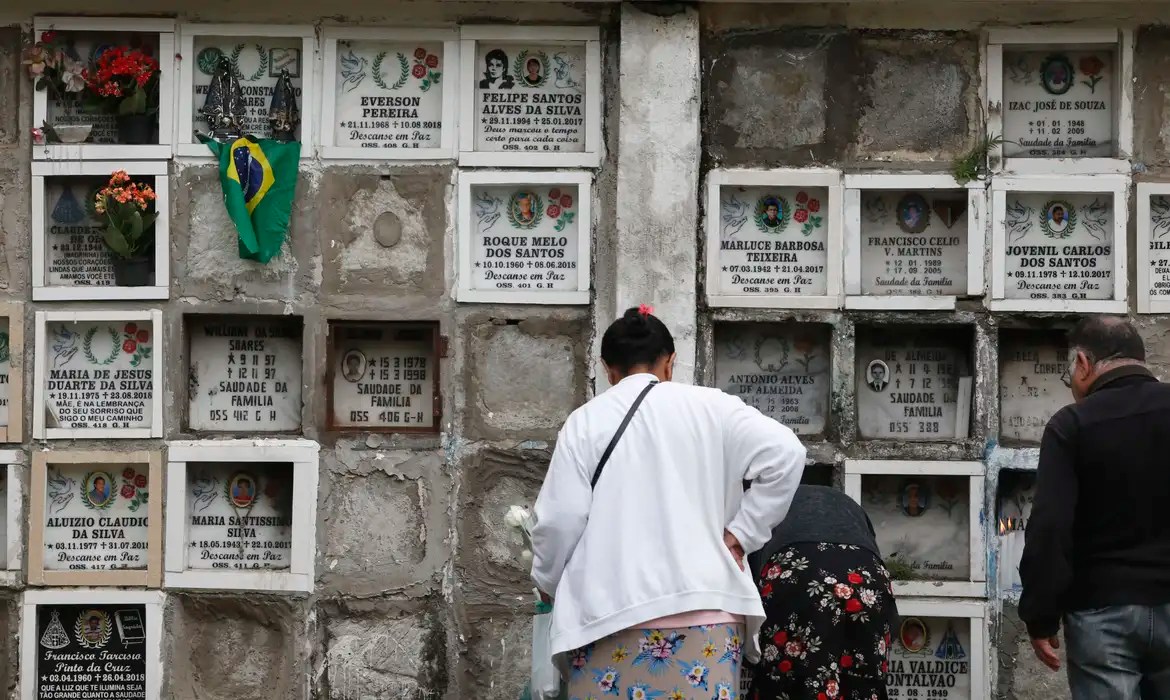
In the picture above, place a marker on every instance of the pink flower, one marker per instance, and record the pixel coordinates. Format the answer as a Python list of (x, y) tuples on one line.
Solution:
[(772, 572), (794, 648), (662, 649), (842, 591)]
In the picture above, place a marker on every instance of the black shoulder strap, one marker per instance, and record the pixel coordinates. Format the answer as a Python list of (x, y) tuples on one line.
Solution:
[(618, 435)]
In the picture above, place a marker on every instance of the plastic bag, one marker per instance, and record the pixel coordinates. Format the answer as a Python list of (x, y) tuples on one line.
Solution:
[(545, 682)]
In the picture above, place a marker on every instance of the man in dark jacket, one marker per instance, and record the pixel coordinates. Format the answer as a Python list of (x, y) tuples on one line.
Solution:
[(1097, 550)]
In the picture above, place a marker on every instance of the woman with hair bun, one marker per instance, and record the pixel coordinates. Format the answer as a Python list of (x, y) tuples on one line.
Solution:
[(642, 526)]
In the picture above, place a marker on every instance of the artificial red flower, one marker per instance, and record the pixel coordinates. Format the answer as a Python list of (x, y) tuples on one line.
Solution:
[(140, 481), (131, 328), (48, 37), (780, 638), (785, 666), (853, 605), (432, 61), (419, 70), (554, 211), (801, 216), (801, 197), (420, 53), (855, 578), (143, 335), (847, 661), (127, 473), (127, 491), (554, 193), (129, 346), (814, 205)]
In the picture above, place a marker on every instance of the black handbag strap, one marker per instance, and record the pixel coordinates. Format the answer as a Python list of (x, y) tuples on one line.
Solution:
[(618, 435)]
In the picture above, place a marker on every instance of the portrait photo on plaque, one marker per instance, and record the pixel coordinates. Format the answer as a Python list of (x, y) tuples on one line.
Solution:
[(244, 373), (1060, 103), (91, 650), (1032, 363), (914, 243), (773, 241), (914, 382), (922, 524), (384, 376), (782, 369), (930, 657), (239, 516)]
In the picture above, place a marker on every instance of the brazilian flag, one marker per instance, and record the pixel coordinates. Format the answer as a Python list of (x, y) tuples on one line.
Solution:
[(259, 179)]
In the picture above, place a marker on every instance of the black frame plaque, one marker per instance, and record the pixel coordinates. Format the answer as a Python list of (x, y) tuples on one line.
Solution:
[(86, 652)]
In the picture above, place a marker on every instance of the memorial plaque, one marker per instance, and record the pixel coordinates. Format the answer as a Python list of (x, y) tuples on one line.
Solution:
[(245, 373), (91, 652), (76, 254), (922, 524), (384, 376), (930, 657), (530, 97), (240, 516), (1059, 246), (525, 237), (913, 384), (782, 370), (1159, 289), (257, 62), (1016, 494), (914, 243), (389, 95), (96, 517), (5, 367), (1030, 386), (1059, 104), (99, 374), (773, 241)]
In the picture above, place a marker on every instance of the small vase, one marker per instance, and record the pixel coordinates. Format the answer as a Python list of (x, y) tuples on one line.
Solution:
[(135, 128), (133, 272)]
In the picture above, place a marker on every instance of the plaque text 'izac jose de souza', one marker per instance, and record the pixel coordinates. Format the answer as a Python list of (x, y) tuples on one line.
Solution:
[(930, 658), (782, 370), (922, 524), (96, 517), (245, 373), (99, 374), (530, 98), (383, 376), (257, 63), (91, 652), (525, 237), (1030, 388), (1058, 104), (772, 241), (389, 95), (914, 243), (910, 387), (1059, 246), (77, 254), (240, 516)]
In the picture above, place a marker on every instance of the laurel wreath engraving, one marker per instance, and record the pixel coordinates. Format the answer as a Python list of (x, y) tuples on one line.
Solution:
[(519, 71), (376, 71), (87, 346), (235, 59), (104, 626)]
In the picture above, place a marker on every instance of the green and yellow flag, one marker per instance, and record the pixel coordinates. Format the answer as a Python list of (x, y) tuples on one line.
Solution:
[(259, 179)]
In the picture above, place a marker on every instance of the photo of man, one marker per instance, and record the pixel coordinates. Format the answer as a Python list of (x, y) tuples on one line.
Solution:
[(1057, 217), (913, 215), (99, 492), (915, 500), (243, 491), (522, 203), (877, 375), (353, 366), (496, 72), (533, 77)]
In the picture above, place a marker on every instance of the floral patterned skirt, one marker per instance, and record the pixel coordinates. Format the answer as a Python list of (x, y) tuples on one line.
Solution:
[(688, 663), (830, 609)]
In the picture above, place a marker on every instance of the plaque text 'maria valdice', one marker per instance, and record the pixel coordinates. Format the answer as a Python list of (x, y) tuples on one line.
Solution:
[(773, 240), (1030, 386), (91, 652), (240, 516), (525, 237), (384, 376), (530, 98), (245, 373), (922, 524), (1058, 104), (914, 243), (782, 370), (1059, 246), (930, 657), (99, 374), (96, 517), (257, 63), (389, 95)]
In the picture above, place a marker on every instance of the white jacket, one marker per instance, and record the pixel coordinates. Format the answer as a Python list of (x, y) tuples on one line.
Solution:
[(648, 542)]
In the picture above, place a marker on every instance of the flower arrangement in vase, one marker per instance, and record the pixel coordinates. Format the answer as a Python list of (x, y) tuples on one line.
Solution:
[(124, 82), (126, 211), (53, 67)]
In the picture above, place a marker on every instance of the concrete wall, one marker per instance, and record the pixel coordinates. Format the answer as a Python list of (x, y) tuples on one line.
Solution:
[(418, 592)]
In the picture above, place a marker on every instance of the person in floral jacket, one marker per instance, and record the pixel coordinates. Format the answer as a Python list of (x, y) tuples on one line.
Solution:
[(829, 603)]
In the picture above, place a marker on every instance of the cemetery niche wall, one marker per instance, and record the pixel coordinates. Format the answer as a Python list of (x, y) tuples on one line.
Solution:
[(1014, 497), (1031, 365), (914, 382), (938, 650), (782, 369)]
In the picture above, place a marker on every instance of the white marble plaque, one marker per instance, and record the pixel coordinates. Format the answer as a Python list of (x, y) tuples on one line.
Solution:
[(781, 370), (909, 387), (257, 62), (773, 240), (96, 517), (530, 97), (5, 367), (384, 377), (1030, 389), (1059, 246), (914, 243), (245, 373), (1015, 507), (240, 516), (389, 95), (1058, 104), (1159, 243), (99, 374), (922, 523), (525, 237), (930, 659), (76, 253)]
